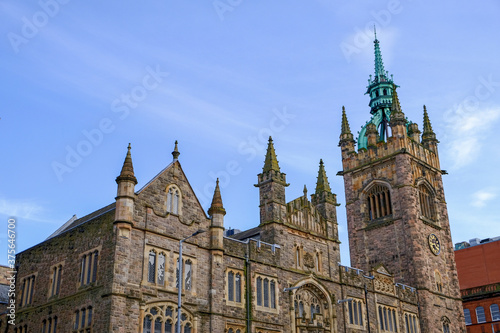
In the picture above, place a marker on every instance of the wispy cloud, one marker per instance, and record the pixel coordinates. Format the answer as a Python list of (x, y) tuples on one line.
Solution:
[(481, 197), (466, 131), (22, 209)]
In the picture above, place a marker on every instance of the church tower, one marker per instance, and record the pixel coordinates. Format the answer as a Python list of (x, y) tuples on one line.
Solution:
[(396, 209)]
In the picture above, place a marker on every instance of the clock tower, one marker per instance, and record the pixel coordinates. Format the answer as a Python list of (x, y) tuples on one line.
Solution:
[(396, 209)]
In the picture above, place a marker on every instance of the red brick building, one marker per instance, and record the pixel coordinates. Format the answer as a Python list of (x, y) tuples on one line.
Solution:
[(478, 265)]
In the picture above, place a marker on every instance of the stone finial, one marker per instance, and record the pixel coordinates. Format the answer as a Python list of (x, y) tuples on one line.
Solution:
[(345, 124), (346, 137), (271, 162), (176, 153), (216, 207), (322, 184), (428, 133), (305, 191), (127, 173), (397, 115)]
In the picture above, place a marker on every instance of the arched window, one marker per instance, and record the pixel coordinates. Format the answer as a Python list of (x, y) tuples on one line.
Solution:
[(188, 274), (237, 287), (173, 200), (158, 325), (230, 330), (168, 326), (161, 269), (427, 207), (301, 310), (495, 312), (379, 202), (481, 317), (151, 266), (259, 291), (385, 91), (147, 324), (376, 93), (446, 325), (468, 320), (230, 286)]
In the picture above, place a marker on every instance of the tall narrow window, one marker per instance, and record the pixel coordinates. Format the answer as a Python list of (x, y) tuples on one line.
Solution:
[(481, 317), (158, 325), (161, 269), (379, 202), (427, 207), (177, 272), (272, 290), (94, 266), (301, 310), (297, 257), (77, 319), (188, 275), (187, 328), (58, 283), (147, 324), (495, 312), (259, 291), (230, 286), (317, 262), (151, 266), (173, 200), (168, 326), (446, 327), (468, 320), (54, 281), (439, 282), (266, 293), (82, 273), (237, 288)]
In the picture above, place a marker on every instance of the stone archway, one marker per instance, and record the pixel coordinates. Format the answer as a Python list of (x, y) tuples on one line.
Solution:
[(312, 308)]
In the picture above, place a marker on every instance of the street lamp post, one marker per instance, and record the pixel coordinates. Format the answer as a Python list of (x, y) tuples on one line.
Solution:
[(179, 279)]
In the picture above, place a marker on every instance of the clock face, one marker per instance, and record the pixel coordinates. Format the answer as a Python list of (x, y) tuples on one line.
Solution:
[(434, 244)]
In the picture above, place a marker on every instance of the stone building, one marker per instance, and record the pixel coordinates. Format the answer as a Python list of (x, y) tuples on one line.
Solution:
[(478, 265), (117, 269)]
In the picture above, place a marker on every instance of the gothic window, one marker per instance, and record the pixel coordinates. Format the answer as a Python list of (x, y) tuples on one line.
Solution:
[(468, 320), (385, 91), (446, 325), (173, 200), (234, 286), (88, 268), (160, 272), (49, 325), (495, 312), (55, 280), (28, 290), (427, 207), (379, 202), (439, 283), (162, 318), (411, 323), (151, 266), (259, 291), (301, 310), (83, 320), (266, 292), (188, 274), (387, 319), (481, 317), (355, 308)]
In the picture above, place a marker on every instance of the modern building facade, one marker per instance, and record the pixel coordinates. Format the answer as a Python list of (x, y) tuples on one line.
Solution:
[(117, 269), (478, 265)]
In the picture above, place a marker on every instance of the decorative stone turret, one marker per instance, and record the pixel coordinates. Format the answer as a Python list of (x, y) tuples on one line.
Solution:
[(271, 184), (217, 212), (414, 132), (346, 138), (124, 214), (326, 202), (398, 120), (428, 136), (372, 134)]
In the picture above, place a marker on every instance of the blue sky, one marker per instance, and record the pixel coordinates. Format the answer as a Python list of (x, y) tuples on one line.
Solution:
[(80, 80)]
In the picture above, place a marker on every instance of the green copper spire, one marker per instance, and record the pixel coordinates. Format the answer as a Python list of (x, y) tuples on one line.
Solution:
[(379, 64), (322, 185), (271, 162), (345, 124)]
